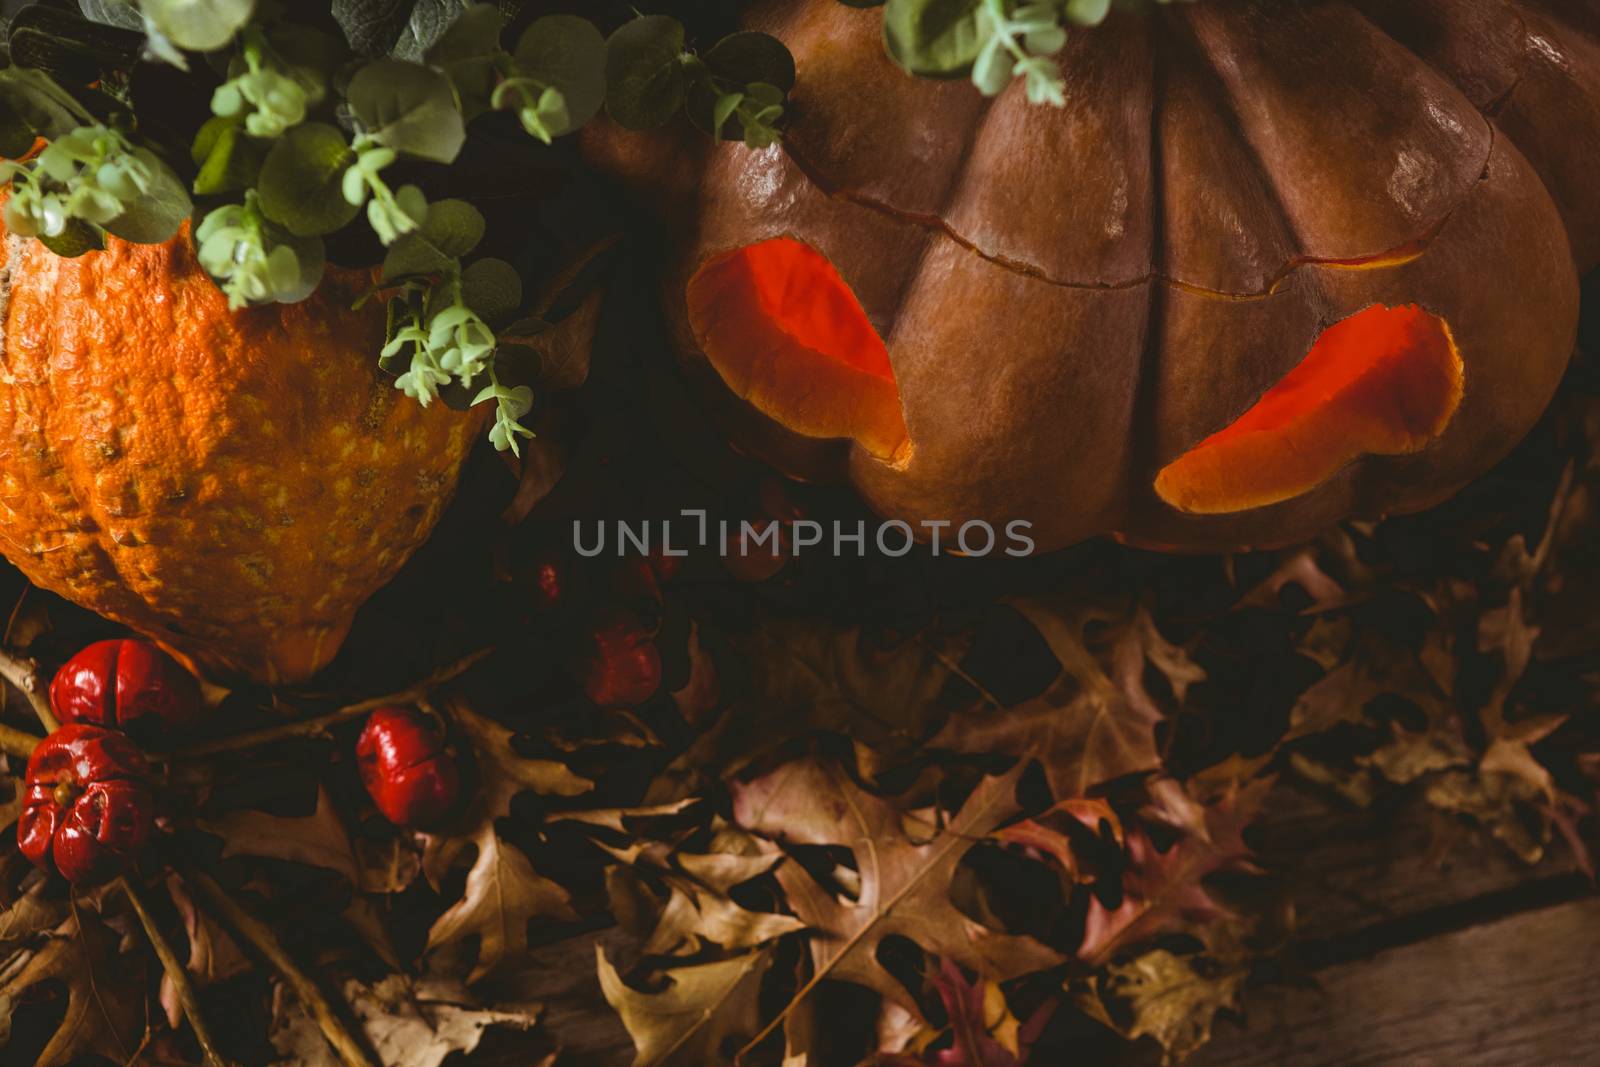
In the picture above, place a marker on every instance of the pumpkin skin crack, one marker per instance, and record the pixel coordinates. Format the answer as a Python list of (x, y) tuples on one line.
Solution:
[(1385, 381)]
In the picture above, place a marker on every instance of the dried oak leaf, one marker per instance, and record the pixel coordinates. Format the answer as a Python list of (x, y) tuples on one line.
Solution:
[(1375, 668), (408, 1024), (807, 675), (105, 992), (696, 908), (1165, 997), (503, 894), (502, 773), (904, 879), (702, 1008), (1097, 720), (1164, 891), (983, 1031), (29, 915), (1505, 805), (1041, 835), (318, 839), (214, 956)]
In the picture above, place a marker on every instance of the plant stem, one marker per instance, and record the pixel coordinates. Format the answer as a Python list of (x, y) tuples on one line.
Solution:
[(14, 742), (259, 936), (318, 725), (176, 973), (23, 673)]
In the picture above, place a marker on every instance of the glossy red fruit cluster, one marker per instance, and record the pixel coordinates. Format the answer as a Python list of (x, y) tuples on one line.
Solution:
[(622, 668), (88, 806), (125, 683), (408, 771)]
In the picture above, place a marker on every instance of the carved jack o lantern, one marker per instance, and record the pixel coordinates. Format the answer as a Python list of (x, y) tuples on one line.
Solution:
[(1273, 265)]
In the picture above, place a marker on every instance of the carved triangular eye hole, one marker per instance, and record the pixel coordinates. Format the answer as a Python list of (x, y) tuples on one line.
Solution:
[(1385, 381), (785, 332)]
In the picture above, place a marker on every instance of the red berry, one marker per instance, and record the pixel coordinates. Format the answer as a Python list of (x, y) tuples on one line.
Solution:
[(756, 555), (122, 682), (88, 807), (409, 773), (623, 668), (549, 583), (643, 576)]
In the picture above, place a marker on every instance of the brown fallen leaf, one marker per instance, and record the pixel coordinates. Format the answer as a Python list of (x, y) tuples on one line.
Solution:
[(1097, 721), (701, 1008), (503, 894), (105, 991), (503, 773), (694, 914), (1173, 999), (318, 839), (214, 956), (904, 883), (808, 675), (1376, 667), (407, 1024), (32, 914), (701, 692)]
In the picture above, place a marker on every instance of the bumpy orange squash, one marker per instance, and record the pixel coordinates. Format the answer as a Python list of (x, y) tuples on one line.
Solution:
[(1273, 265), (232, 484)]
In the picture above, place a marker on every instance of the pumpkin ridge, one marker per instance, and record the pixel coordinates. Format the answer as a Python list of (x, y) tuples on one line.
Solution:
[(1388, 257)]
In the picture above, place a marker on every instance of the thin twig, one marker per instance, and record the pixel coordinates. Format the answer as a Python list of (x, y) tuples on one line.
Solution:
[(318, 725), (259, 936), (23, 673), (177, 974), (15, 742)]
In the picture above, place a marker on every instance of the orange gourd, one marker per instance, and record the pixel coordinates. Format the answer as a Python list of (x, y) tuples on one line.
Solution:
[(232, 484)]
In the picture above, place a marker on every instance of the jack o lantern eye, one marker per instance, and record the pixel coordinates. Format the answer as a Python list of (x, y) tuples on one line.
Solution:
[(786, 333), (1385, 381)]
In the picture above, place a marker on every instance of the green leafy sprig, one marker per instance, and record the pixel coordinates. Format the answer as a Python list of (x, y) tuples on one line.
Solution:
[(303, 139), (90, 178), (991, 41)]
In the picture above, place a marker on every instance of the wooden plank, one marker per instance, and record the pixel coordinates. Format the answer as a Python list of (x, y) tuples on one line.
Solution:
[(1347, 869), (1516, 992)]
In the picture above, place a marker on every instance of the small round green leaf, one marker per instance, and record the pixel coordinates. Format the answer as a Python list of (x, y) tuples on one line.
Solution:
[(300, 180), (466, 54), (450, 229), (33, 105), (568, 54), (159, 210), (79, 237), (934, 38), (744, 58), (492, 288), (198, 25), (645, 80), (408, 107)]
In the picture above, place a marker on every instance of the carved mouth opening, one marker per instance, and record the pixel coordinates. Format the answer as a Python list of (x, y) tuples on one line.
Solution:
[(786, 333), (1385, 381)]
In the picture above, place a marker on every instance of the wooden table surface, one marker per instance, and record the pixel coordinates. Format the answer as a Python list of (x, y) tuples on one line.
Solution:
[(1399, 960)]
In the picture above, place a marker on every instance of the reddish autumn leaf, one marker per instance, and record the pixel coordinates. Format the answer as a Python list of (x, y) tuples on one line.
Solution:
[(1164, 891)]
